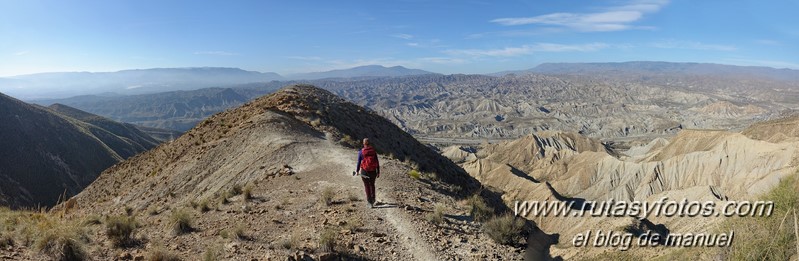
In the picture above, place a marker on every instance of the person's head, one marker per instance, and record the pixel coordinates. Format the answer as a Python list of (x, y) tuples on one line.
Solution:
[(365, 142)]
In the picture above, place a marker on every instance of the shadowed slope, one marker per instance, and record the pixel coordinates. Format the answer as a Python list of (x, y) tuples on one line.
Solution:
[(44, 155)]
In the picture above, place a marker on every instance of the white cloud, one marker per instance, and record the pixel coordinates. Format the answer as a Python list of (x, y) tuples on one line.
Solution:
[(615, 18), (21, 53), (402, 36), (528, 49), (671, 44), (220, 53), (413, 44)]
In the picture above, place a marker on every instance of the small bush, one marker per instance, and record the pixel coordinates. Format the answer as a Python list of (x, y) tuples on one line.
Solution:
[(437, 216), (128, 210), (152, 211), (430, 176), (6, 240), (353, 224), (159, 254), (92, 220), (235, 190), (181, 222), (348, 141), (247, 192), (61, 242), (204, 205), (415, 174), (212, 253), (236, 232), (480, 211), (286, 244), (120, 230), (327, 196), (504, 230), (292, 242), (327, 240)]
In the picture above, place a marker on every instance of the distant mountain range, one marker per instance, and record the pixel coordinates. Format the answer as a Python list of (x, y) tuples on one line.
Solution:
[(46, 153), (660, 68), (66, 84), (503, 106), (361, 71), (143, 81)]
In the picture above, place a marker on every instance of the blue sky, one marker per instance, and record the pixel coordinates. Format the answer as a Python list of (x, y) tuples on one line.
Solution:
[(465, 36)]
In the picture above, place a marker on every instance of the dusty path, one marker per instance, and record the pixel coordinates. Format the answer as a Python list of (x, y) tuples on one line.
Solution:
[(343, 162)]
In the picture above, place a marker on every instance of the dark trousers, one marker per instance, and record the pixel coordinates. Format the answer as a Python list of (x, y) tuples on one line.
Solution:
[(369, 185)]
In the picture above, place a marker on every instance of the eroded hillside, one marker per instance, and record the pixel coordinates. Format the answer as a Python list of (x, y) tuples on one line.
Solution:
[(695, 165)]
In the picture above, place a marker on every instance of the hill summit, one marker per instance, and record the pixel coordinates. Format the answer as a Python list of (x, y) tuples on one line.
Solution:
[(278, 171)]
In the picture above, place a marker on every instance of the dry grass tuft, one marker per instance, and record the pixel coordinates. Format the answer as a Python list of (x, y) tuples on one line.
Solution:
[(505, 229), (327, 240), (60, 241), (181, 222), (327, 196), (479, 210), (121, 230), (159, 254), (437, 216)]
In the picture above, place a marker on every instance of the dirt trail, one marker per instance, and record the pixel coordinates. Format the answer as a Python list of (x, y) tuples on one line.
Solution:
[(344, 161)]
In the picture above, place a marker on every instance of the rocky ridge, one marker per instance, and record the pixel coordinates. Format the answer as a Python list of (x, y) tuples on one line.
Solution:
[(289, 151)]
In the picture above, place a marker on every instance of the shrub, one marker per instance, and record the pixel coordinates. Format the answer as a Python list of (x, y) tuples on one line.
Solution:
[(247, 192), (235, 190), (181, 222), (212, 253), (6, 240), (327, 196), (479, 210), (769, 237), (415, 174), (92, 220), (348, 141), (152, 211), (353, 224), (286, 244), (236, 232), (120, 230), (61, 242), (504, 230), (327, 240), (223, 200), (292, 242), (430, 176), (437, 216), (159, 254), (204, 205)]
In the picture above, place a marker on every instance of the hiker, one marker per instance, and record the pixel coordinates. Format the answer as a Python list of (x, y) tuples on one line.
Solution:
[(369, 169)]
